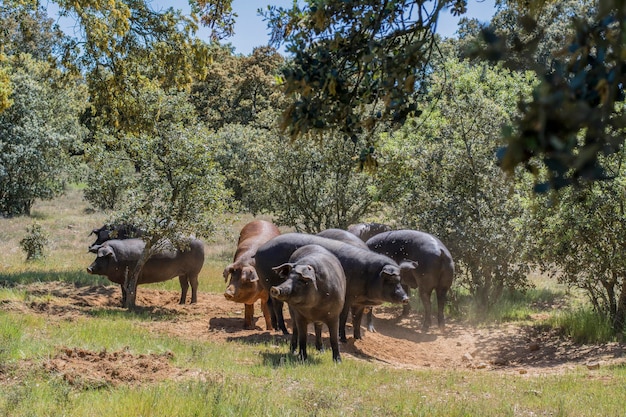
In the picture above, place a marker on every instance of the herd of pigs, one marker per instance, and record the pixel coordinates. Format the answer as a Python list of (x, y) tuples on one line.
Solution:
[(322, 278)]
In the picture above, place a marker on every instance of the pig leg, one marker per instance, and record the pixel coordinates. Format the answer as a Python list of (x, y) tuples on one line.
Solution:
[(294, 332), (406, 309), (280, 319), (333, 330), (343, 318), (301, 325), (266, 313), (248, 316), (357, 316), (370, 320), (123, 295), (193, 280), (441, 302), (425, 297), (293, 346), (184, 286), (318, 336), (270, 306)]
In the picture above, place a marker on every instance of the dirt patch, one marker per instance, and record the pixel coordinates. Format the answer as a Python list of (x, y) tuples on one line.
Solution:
[(397, 342), (90, 370)]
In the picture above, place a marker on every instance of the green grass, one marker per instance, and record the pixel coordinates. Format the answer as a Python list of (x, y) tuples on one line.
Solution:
[(78, 278), (257, 379), (261, 379), (514, 306), (238, 378), (556, 306), (582, 325)]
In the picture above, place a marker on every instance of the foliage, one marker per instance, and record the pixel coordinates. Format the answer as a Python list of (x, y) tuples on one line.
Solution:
[(34, 242), (5, 85), (551, 30), (178, 194), (39, 105), (218, 15), (110, 176), (37, 134), (448, 182), (239, 89), (169, 185), (348, 54), (232, 149), (127, 48), (26, 28), (351, 54), (179, 189), (310, 186), (579, 95), (579, 235)]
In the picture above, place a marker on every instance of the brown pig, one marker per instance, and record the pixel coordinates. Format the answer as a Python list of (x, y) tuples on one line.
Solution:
[(244, 286)]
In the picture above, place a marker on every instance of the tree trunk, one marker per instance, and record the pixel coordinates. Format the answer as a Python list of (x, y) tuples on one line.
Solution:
[(130, 280), (620, 315)]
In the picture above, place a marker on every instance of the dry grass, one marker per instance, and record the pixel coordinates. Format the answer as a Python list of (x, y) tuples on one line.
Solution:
[(68, 221)]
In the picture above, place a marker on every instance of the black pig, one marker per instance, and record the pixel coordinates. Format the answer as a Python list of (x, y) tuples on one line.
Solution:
[(435, 267), (372, 278), (116, 257), (315, 289), (113, 231)]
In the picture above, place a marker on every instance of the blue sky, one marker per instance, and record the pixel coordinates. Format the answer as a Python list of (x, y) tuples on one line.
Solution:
[(251, 30)]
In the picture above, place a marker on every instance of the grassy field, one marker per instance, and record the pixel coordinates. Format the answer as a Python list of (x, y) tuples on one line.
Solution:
[(68, 222), (206, 378)]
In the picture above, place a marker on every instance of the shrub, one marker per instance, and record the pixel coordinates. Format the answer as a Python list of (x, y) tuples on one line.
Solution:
[(34, 242)]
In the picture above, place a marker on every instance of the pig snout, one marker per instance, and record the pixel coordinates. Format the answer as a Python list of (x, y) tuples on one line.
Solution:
[(229, 294), (400, 296), (280, 293), (275, 292), (90, 270)]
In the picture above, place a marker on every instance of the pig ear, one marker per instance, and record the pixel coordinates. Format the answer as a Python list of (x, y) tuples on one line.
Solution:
[(227, 271), (390, 270), (251, 274), (94, 248), (408, 273), (283, 270), (105, 252), (307, 273), (409, 265)]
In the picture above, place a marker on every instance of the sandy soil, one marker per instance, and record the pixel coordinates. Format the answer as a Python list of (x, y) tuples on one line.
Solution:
[(398, 342)]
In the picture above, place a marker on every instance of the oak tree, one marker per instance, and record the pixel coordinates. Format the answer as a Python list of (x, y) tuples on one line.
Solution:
[(447, 180)]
